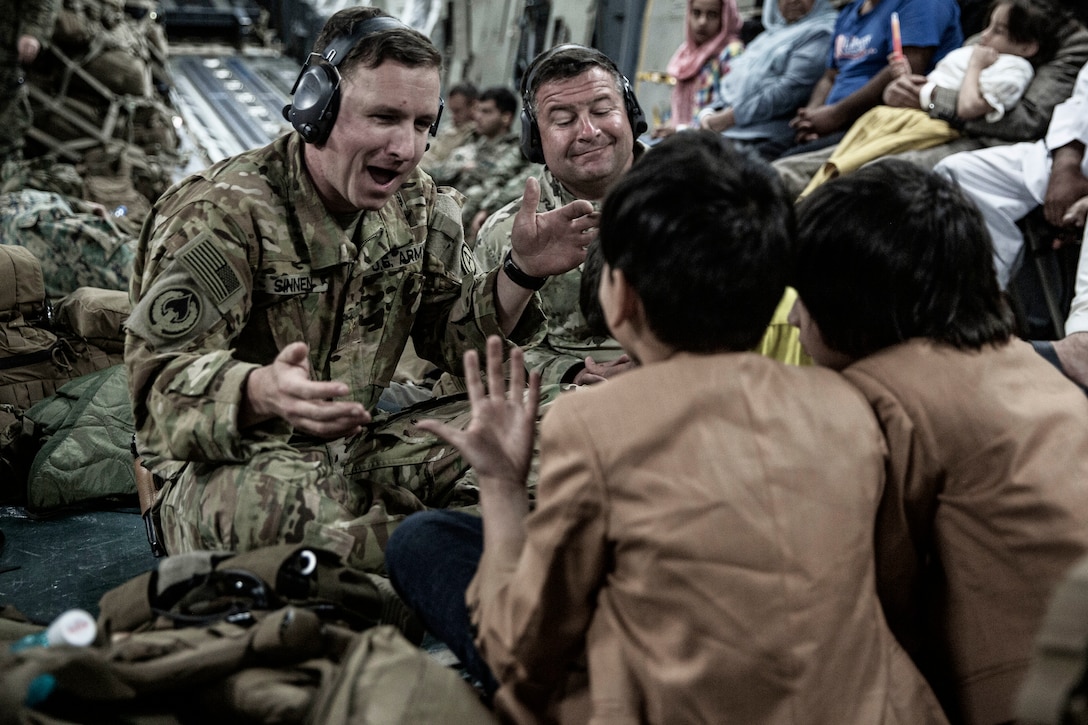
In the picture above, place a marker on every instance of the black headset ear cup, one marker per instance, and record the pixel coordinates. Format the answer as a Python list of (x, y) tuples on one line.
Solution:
[(315, 100), (530, 136), (635, 114)]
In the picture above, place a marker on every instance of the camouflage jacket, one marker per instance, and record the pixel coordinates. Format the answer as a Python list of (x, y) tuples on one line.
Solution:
[(241, 259), (449, 137), (567, 342), (479, 167)]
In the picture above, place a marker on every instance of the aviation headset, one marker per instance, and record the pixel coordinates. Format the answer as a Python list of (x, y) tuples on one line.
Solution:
[(315, 97), (530, 130)]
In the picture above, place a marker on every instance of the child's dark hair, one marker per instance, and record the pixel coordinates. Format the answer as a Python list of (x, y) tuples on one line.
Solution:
[(1035, 21), (702, 234), (893, 252)]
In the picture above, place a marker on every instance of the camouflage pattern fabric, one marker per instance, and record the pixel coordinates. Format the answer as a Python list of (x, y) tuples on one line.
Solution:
[(239, 261), (76, 247), (21, 17), (567, 341), (499, 196), (449, 137), (479, 167)]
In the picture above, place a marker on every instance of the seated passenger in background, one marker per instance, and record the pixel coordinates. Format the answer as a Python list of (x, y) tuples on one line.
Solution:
[(1053, 83), (985, 506), (456, 124), (711, 39), (1027, 121), (990, 77), (857, 68), (772, 77), (701, 547), (1007, 182), (489, 157)]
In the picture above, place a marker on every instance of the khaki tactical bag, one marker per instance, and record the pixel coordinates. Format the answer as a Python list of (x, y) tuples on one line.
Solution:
[(34, 359), (37, 356), (284, 634)]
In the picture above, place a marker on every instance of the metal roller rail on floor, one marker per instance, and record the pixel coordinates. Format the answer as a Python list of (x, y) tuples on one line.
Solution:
[(230, 102)]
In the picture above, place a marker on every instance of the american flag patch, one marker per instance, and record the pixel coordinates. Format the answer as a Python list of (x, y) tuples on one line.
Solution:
[(210, 269)]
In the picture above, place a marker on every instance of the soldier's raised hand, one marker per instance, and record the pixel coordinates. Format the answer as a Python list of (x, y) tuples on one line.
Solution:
[(552, 242)]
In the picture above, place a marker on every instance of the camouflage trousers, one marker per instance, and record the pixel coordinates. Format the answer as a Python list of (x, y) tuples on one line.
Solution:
[(346, 496)]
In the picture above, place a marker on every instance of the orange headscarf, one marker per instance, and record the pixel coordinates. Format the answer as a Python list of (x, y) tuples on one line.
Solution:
[(690, 58)]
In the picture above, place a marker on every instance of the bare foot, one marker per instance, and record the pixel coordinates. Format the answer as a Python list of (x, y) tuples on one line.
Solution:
[(1073, 354)]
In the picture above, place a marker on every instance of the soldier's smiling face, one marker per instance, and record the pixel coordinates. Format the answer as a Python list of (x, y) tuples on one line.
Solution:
[(584, 131), (379, 136)]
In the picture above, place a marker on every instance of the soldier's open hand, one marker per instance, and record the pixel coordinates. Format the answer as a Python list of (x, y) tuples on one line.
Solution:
[(285, 389), (551, 242)]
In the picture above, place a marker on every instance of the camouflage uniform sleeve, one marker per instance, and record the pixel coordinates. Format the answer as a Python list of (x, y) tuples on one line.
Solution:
[(555, 367), (38, 19), (458, 307), (511, 190), (191, 294)]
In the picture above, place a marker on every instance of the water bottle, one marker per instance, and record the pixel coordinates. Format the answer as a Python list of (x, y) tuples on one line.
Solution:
[(75, 627)]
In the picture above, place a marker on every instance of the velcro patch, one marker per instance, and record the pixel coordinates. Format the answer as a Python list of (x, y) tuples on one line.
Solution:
[(399, 257), (174, 312), (293, 284), (210, 269)]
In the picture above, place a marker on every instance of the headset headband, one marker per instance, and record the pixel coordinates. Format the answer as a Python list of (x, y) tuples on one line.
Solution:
[(315, 97), (341, 45)]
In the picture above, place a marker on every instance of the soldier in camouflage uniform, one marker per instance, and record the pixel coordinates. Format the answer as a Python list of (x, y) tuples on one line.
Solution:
[(273, 295), (27, 25), (490, 158), (576, 99), (571, 351)]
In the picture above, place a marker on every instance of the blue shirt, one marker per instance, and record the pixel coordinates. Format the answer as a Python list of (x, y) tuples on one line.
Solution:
[(862, 43)]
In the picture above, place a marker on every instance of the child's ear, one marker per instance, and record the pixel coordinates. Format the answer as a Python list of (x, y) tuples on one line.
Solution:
[(1031, 49), (624, 303)]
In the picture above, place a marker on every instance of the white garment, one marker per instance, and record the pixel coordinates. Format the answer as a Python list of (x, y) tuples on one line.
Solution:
[(1007, 182), (1002, 84)]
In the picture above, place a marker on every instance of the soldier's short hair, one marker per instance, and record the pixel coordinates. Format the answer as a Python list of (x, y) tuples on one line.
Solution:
[(703, 234), (400, 44), (565, 62)]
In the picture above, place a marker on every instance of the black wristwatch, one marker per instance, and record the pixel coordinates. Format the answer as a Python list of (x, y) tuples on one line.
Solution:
[(517, 276)]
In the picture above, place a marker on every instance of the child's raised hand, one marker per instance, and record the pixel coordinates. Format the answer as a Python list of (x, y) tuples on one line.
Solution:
[(498, 442)]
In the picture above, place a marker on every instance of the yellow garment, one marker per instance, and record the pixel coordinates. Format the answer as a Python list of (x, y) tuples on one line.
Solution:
[(879, 132), (782, 340)]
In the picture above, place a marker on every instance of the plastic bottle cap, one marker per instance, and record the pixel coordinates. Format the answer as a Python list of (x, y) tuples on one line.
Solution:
[(75, 627)]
